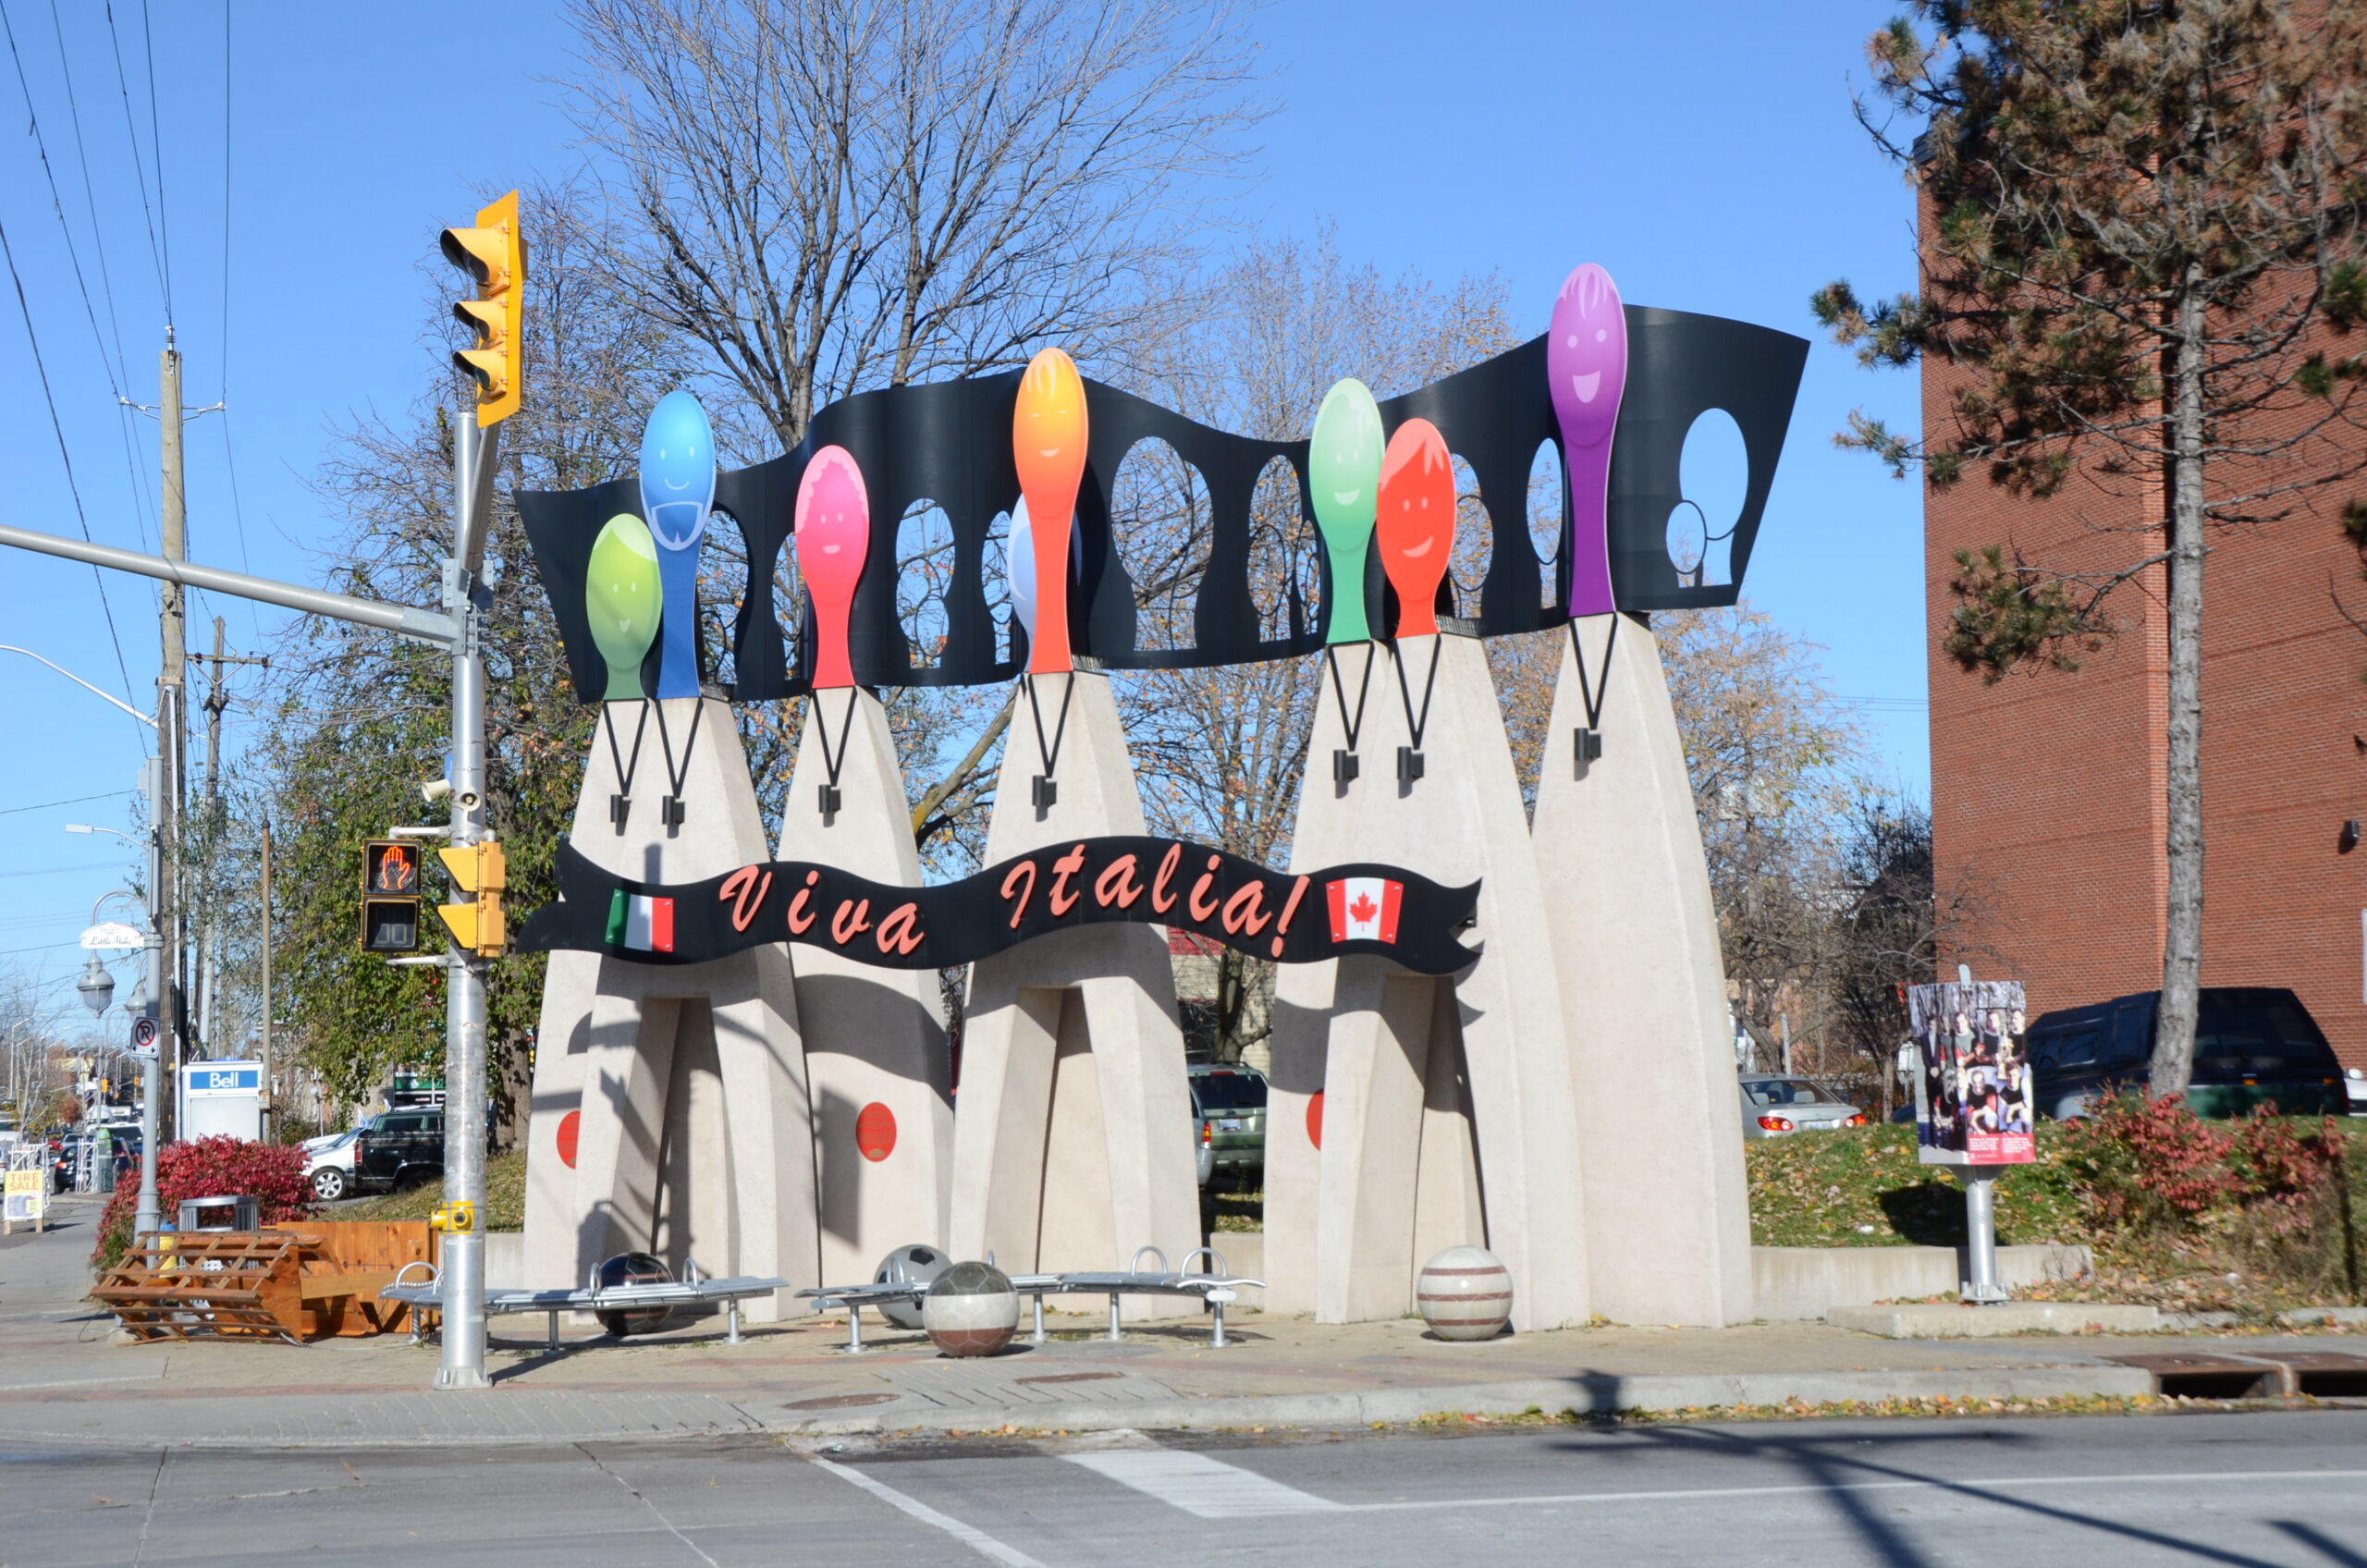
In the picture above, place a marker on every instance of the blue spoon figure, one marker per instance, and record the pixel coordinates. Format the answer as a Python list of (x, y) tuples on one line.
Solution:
[(677, 488)]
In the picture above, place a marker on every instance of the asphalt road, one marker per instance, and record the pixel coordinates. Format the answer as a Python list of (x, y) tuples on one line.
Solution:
[(2239, 1489)]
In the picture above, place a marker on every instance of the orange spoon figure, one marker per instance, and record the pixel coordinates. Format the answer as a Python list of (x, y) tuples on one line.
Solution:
[(833, 535), (1417, 522), (1047, 435)]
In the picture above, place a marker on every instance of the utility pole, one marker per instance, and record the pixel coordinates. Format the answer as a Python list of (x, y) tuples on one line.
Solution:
[(171, 729), (209, 936), (270, 1094)]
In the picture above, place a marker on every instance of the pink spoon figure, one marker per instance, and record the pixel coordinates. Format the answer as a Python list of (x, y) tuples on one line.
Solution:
[(833, 535), (1417, 522), (1586, 367)]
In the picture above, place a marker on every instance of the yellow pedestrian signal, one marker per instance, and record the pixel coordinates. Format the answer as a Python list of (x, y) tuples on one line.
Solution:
[(481, 871), (390, 896), (494, 254)]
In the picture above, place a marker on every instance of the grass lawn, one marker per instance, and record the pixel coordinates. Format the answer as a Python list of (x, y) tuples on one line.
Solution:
[(1862, 1187), (504, 1193)]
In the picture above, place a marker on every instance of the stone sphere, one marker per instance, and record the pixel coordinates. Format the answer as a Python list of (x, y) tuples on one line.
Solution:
[(1465, 1293), (914, 1265), (971, 1310), (633, 1268)]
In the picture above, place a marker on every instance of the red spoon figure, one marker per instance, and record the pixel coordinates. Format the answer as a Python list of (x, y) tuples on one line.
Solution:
[(1047, 435), (1417, 522), (833, 535)]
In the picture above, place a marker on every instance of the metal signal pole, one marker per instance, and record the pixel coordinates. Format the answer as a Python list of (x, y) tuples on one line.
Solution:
[(474, 454)]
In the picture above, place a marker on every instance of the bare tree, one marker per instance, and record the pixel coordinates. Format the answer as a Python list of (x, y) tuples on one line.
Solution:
[(1893, 920), (839, 194), (1775, 762), (1220, 752)]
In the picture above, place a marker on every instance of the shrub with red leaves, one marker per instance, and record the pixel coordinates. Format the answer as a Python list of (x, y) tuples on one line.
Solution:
[(2146, 1161), (210, 1168)]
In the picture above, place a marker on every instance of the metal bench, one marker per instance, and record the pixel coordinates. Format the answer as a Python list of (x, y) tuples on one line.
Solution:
[(428, 1293)]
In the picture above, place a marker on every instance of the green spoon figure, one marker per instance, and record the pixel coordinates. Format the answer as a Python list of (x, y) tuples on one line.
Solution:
[(1344, 472), (621, 594)]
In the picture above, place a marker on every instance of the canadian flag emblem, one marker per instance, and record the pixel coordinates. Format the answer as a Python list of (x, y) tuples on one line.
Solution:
[(1364, 909)]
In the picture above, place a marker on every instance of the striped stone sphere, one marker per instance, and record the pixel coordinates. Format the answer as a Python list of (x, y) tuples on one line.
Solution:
[(971, 1310), (1465, 1293)]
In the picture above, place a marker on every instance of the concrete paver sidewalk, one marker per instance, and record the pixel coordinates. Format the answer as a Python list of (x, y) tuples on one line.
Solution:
[(61, 1381)]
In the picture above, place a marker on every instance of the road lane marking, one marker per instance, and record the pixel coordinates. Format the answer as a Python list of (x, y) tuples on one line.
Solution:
[(1197, 1483), (1703, 1494), (977, 1541)]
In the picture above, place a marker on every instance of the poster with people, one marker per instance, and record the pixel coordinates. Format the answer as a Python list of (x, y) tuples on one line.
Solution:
[(1972, 1083)]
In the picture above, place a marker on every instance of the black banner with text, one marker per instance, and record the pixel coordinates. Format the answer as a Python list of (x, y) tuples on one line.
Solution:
[(1286, 916)]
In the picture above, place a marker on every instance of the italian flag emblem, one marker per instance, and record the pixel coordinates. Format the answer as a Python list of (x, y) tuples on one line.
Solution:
[(640, 923), (1364, 909)]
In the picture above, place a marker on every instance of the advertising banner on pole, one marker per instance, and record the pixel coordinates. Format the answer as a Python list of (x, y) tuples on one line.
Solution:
[(1972, 1078)]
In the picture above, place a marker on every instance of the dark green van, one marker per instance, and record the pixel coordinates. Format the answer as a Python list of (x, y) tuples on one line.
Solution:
[(2253, 1046)]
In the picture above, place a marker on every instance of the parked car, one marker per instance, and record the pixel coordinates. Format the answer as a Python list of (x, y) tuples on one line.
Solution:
[(1231, 1102), (397, 1149), (2254, 1045), (2354, 1084), (329, 1164), (1775, 1106)]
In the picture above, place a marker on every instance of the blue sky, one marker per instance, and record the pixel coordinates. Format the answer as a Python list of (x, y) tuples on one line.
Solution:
[(1705, 156)]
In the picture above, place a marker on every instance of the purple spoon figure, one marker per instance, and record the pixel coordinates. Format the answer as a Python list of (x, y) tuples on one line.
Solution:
[(1585, 364)]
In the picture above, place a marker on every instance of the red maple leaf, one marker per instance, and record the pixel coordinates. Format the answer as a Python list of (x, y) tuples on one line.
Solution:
[(1364, 909)]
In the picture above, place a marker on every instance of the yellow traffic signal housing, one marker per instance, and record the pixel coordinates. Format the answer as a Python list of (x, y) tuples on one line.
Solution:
[(494, 254), (479, 869)]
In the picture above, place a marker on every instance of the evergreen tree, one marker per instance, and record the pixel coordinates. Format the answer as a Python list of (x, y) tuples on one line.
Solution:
[(2141, 258)]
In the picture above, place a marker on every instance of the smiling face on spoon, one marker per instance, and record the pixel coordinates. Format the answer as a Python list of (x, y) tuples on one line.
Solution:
[(1417, 522), (1343, 478), (1586, 371), (833, 536)]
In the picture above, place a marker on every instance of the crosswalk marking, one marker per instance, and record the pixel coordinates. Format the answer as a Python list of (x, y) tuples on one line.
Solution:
[(1199, 1485)]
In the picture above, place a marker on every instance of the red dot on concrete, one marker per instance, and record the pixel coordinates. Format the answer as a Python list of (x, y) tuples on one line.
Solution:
[(1314, 1119), (568, 1125), (875, 1131)]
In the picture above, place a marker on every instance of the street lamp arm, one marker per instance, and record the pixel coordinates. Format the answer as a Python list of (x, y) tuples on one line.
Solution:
[(425, 626), (12, 648)]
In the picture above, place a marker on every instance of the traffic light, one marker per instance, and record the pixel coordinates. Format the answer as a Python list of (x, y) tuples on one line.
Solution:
[(494, 254), (389, 896), (478, 869)]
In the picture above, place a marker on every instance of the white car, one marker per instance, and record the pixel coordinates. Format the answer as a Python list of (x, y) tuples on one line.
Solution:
[(329, 1164), (2354, 1084)]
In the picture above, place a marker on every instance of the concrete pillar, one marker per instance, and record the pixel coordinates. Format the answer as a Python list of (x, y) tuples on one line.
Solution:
[(875, 1039), (1446, 1105), (1635, 938), (640, 1066), (1071, 1134)]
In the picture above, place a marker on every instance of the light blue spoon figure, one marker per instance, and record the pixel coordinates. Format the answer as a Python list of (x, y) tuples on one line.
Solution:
[(677, 488)]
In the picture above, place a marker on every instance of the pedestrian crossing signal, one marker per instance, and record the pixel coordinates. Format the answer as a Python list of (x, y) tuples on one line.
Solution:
[(389, 896)]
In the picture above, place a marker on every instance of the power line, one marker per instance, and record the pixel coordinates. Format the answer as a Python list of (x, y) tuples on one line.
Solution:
[(229, 453), (79, 800), (119, 373), (156, 149), (118, 376), (138, 169), (41, 147), (73, 487)]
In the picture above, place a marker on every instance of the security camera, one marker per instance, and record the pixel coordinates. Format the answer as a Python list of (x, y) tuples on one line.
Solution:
[(435, 789)]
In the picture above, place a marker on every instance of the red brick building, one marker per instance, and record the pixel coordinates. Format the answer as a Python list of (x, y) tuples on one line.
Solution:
[(2048, 792)]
